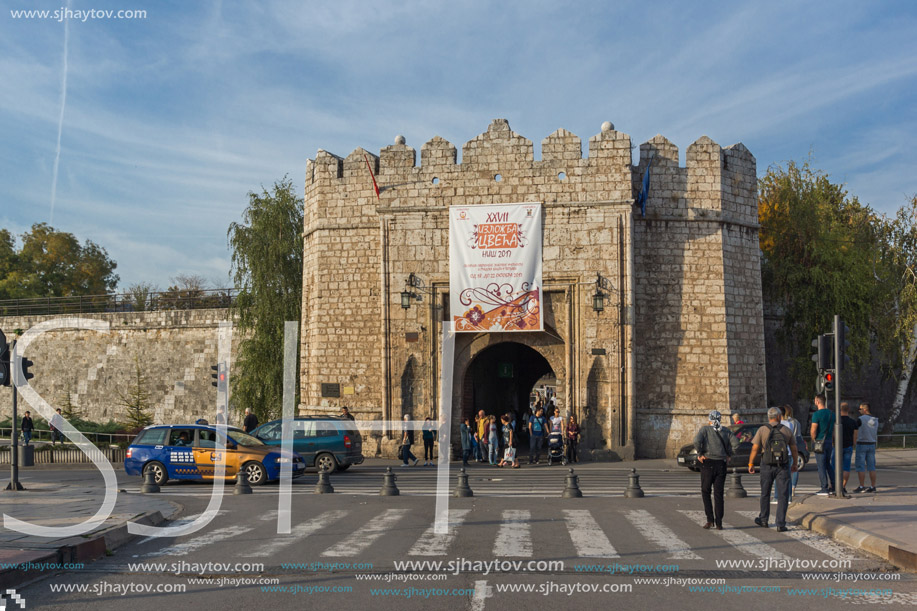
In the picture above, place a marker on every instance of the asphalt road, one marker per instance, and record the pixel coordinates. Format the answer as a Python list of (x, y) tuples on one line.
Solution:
[(346, 548)]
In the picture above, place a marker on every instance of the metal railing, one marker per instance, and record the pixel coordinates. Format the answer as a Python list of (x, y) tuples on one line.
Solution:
[(96, 438), (908, 440), (125, 302)]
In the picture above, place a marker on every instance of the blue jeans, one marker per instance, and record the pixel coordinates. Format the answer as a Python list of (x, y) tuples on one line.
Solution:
[(535, 442), (846, 455), (26, 437), (825, 463), (406, 454), (466, 454), (866, 457), (775, 475), (493, 450)]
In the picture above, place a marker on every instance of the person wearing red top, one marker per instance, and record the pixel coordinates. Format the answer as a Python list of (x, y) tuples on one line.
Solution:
[(572, 438)]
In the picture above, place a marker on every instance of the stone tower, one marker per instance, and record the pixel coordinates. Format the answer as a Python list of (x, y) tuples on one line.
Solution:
[(681, 330)]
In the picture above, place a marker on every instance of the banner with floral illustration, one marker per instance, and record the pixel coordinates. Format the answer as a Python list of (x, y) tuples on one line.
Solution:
[(495, 267)]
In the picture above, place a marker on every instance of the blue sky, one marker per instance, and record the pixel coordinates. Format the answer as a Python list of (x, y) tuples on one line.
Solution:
[(170, 120)]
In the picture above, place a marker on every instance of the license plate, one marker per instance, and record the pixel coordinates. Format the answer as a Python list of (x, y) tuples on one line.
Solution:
[(681, 459)]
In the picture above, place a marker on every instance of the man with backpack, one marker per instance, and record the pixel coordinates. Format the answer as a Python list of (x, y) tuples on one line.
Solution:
[(714, 444), (778, 446)]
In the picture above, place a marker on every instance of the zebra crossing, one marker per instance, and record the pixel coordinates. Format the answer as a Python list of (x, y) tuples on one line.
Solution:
[(589, 536)]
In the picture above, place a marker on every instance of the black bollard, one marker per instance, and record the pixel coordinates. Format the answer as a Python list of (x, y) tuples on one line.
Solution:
[(634, 491), (462, 489), (242, 486), (149, 484), (323, 485), (736, 491), (388, 486), (571, 489)]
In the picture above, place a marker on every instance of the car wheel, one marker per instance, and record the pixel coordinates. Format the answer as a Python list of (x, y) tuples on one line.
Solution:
[(255, 473), (343, 467), (695, 469), (800, 462), (160, 475), (325, 463)]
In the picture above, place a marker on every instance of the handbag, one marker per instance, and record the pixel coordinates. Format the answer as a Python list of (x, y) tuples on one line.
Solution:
[(819, 447), (509, 455)]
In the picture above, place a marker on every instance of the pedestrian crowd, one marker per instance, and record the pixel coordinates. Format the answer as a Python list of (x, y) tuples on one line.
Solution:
[(778, 443)]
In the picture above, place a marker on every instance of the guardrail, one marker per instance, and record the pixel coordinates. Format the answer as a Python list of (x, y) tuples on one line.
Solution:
[(908, 440), (125, 302), (96, 438), (68, 455)]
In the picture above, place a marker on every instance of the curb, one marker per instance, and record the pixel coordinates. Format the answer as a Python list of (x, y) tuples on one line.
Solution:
[(80, 550), (854, 537)]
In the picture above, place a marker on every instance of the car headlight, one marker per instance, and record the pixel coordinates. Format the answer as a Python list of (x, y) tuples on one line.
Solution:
[(282, 459)]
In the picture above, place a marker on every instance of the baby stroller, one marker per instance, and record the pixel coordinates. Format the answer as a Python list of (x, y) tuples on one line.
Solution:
[(556, 449)]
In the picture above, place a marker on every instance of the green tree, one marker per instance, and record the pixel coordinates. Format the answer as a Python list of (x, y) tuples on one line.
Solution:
[(53, 264), (267, 256), (141, 295), (896, 312), (820, 250), (69, 409), (136, 400)]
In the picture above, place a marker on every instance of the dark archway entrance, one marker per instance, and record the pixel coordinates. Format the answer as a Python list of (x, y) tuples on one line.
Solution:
[(500, 378)]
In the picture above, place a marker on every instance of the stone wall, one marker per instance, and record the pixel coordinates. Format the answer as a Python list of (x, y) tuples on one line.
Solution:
[(682, 330), (175, 350)]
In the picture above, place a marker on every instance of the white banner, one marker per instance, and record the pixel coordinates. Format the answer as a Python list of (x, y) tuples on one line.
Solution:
[(495, 267)]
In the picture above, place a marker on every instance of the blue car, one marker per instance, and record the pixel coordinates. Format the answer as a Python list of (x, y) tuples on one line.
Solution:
[(189, 451), (328, 443)]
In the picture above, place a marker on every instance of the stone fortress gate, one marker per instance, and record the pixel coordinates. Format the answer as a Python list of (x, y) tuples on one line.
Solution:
[(679, 332)]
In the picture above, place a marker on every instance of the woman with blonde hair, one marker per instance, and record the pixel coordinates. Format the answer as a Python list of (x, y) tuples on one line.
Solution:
[(493, 440)]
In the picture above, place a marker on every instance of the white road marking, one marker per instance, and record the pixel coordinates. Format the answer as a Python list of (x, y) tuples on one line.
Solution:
[(739, 539), (298, 532), (482, 592), (588, 538), (660, 534), (432, 544), (813, 540), (199, 541), (361, 539), (515, 535), (178, 523)]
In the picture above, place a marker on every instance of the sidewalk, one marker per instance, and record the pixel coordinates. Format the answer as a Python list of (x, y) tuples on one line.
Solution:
[(24, 558), (881, 524)]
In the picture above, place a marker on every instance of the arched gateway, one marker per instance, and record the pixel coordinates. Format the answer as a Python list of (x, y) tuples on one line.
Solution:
[(651, 313)]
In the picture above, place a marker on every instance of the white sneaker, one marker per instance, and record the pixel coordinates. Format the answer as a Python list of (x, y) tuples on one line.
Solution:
[(416, 461)]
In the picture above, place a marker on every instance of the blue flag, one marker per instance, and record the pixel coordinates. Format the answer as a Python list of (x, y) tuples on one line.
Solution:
[(644, 190)]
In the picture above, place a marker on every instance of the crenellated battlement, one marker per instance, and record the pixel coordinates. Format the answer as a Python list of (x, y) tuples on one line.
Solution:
[(499, 161)]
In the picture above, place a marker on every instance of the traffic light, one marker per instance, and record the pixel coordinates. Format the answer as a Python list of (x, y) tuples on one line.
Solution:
[(823, 359), (219, 377), (26, 374), (829, 380), (843, 331), (4, 361)]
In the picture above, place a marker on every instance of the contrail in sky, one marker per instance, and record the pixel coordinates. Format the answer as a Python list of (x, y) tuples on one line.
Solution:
[(60, 122)]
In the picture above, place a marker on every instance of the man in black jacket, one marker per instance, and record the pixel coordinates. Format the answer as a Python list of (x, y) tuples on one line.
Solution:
[(27, 428), (714, 444), (250, 423)]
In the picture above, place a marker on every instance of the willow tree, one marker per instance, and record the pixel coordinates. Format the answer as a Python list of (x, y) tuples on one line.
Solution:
[(267, 270), (820, 249)]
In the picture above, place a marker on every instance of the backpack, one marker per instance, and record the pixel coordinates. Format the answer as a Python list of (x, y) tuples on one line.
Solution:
[(776, 451)]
